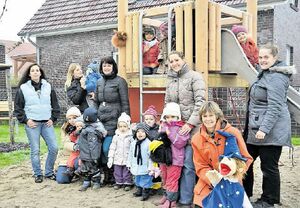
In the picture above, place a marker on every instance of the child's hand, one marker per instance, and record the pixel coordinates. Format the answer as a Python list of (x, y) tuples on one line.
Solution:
[(167, 131), (146, 48), (92, 95), (185, 129), (214, 177), (109, 163)]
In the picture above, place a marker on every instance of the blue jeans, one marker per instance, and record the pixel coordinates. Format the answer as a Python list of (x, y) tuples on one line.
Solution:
[(188, 178), (144, 181), (105, 147), (33, 135)]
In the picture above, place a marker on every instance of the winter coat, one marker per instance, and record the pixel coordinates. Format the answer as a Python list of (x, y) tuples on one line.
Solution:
[(153, 132), (178, 141), (150, 57), (268, 109), (251, 51), (119, 148), (91, 82), (112, 97), (136, 169), (90, 143), (77, 95), (187, 88), (206, 152)]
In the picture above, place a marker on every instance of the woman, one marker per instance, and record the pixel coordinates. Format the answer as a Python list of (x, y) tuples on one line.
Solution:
[(112, 98), (269, 124), (208, 145), (187, 88), (36, 93), (75, 86), (68, 146)]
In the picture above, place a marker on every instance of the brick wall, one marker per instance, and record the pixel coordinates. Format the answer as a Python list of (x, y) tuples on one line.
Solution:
[(265, 23), (3, 94)]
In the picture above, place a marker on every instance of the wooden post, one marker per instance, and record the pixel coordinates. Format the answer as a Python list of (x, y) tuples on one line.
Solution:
[(252, 9), (201, 8), (179, 28), (135, 44), (212, 36), (218, 37), (122, 12), (188, 34)]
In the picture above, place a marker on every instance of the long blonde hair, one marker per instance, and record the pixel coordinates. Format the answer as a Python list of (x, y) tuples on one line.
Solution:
[(70, 74)]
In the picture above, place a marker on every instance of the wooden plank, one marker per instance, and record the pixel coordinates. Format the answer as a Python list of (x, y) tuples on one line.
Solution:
[(201, 33), (179, 27), (156, 11), (231, 11), (218, 38), (135, 44), (230, 21), (188, 34), (252, 9), (245, 21), (212, 36), (129, 47), (250, 26), (152, 22)]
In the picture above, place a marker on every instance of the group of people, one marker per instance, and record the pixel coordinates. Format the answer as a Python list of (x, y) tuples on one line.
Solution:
[(101, 144)]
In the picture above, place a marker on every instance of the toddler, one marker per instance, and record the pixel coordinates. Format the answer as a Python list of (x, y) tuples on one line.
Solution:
[(92, 76), (150, 117)]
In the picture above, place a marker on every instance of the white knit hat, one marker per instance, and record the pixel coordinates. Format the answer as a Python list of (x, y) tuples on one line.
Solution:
[(124, 118), (171, 109), (73, 111)]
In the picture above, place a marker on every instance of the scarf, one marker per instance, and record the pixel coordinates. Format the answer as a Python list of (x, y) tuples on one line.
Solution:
[(138, 153)]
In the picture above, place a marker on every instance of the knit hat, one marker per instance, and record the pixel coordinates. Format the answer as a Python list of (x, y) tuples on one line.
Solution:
[(94, 66), (143, 126), (151, 111), (231, 148), (90, 115), (171, 109), (236, 29), (124, 118), (73, 111)]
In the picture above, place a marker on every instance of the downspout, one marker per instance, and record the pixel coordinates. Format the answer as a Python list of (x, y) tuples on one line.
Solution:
[(38, 48)]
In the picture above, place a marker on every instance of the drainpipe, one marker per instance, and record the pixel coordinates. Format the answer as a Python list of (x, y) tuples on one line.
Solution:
[(38, 48)]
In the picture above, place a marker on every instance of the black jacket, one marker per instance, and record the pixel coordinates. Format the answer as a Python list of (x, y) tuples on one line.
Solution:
[(77, 95)]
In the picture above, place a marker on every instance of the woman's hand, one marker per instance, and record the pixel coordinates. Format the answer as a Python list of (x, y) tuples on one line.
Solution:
[(260, 135), (31, 124), (185, 129), (49, 123)]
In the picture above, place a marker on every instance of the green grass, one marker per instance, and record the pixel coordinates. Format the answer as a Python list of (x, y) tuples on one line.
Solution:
[(296, 141), (16, 157)]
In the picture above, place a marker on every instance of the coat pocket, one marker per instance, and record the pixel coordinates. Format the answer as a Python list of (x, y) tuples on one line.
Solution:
[(256, 119)]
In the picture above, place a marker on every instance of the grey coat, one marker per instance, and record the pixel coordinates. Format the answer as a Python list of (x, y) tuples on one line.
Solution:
[(187, 88), (268, 110)]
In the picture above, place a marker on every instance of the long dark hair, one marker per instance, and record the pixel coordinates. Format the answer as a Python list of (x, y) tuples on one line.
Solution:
[(109, 60), (25, 77)]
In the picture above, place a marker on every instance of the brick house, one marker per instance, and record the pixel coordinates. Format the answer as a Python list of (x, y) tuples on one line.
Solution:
[(69, 31)]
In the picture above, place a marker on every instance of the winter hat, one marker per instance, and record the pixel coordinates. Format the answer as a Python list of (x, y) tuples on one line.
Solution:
[(93, 67), (124, 118), (231, 148), (143, 126), (73, 111), (90, 115), (171, 109), (236, 29), (151, 111), (163, 28)]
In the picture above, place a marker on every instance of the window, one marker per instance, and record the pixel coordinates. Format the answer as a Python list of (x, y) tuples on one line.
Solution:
[(289, 55), (294, 5)]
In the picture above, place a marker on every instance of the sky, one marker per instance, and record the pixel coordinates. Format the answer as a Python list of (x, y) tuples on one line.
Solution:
[(17, 15)]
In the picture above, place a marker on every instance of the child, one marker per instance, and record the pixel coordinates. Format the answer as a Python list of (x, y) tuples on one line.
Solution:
[(171, 125), (118, 153), (139, 161), (90, 150), (92, 76), (247, 43), (75, 154), (150, 51), (150, 116)]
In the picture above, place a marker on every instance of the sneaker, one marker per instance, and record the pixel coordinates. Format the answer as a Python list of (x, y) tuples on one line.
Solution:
[(262, 204), (85, 186), (51, 177), (127, 188), (38, 179), (96, 186), (117, 186)]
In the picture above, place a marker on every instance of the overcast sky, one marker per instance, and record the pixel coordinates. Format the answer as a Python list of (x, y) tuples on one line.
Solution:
[(17, 15)]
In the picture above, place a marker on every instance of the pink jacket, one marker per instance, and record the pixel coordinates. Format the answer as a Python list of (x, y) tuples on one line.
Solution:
[(178, 141)]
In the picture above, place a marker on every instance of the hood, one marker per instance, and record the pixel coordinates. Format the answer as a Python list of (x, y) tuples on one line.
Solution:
[(288, 70), (183, 70)]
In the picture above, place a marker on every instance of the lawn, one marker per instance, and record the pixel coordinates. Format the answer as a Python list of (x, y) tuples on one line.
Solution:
[(16, 157)]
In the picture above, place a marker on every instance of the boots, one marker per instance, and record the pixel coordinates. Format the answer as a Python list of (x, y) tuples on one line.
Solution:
[(161, 201), (167, 204), (85, 185), (145, 194), (138, 192)]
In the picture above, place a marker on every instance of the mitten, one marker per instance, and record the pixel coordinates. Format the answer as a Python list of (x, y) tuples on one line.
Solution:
[(214, 177), (110, 163)]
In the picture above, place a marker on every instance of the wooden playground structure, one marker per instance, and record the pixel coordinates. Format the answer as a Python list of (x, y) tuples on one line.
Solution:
[(198, 35)]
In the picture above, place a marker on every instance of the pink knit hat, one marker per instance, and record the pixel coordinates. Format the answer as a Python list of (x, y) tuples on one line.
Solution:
[(236, 29), (151, 111)]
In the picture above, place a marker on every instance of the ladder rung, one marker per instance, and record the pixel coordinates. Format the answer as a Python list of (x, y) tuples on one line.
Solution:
[(153, 92)]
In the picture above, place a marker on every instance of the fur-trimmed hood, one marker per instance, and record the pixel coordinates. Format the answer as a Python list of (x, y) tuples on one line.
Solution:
[(289, 70)]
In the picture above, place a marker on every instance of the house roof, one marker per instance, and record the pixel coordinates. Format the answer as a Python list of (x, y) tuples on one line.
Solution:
[(12, 48), (59, 15)]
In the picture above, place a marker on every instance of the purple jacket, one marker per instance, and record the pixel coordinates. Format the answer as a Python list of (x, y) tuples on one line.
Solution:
[(178, 141)]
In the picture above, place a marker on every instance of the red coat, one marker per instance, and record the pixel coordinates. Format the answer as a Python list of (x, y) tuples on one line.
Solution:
[(251, 51), (206, 156), (150, 57)]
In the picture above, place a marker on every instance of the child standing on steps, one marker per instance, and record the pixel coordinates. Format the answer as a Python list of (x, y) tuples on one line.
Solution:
[(171, 125), (139, 161), (118, 153)]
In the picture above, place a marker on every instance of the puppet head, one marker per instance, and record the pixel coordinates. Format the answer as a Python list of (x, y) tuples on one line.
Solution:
[(119, 38)]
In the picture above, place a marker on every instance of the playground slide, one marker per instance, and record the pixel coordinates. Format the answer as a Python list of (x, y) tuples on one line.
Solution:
[(234, 61)]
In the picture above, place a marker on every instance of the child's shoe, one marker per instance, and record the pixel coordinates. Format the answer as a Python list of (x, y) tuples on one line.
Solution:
[(96, 185), (69, 172), (145, 194), (138, 192), (127, 187), (161, 201), (85, 185), (117, 186), (78, 171), (167, 204)]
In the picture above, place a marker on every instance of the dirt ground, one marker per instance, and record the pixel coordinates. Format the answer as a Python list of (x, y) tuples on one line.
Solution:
[(18, 190)]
